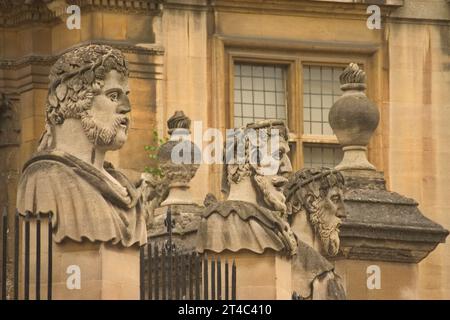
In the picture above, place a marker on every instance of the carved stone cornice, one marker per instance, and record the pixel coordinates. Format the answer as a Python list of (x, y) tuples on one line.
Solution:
[(48, 60), (19, 12), (304, 7), (152, 7)]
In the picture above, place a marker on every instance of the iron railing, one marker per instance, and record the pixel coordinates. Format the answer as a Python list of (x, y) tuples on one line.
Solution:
[(170, 275), (165, 273), (24, 222)]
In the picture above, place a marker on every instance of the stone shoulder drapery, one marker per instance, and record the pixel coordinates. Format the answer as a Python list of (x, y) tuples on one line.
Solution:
[(239, 225), (84, 202)]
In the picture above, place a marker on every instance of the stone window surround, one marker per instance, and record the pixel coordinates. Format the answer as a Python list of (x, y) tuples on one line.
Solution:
[(293, 60)]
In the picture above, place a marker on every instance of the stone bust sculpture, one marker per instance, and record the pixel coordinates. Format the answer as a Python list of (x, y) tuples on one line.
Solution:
[(86, 116), (314, 199), (253, 217)]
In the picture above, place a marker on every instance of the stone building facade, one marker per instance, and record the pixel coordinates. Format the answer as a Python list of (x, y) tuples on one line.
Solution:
[(226, 63)]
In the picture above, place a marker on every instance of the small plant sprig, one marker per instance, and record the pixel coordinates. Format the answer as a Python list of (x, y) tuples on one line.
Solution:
[(153, 154)]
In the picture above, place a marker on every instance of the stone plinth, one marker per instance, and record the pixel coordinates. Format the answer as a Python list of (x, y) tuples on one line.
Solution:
[(260, 276), (107, 272), (398, 281), (386, 230)]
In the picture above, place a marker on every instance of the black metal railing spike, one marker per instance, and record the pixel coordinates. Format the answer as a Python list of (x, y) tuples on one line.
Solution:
[(198, 274), (191, 270), (4, 238), (163, 273), (213, 279), (50, 257), (16, 255), (150, 270), (227, 297), (157, 273), (38, 258), (233, 281), (141, 272), (184, 269), (219, 279), (27, 257), (205, 277)]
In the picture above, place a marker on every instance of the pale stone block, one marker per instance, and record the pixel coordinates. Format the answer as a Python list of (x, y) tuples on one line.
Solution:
[(264, 276), (398, 280)]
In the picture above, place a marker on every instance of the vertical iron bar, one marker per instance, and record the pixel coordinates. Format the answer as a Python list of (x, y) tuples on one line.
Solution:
[(198, 274), (150, 271), (141, 272), (50, 257), (227, 297), (191, 269), (233, 281), (27, 257), (219, 279), (163, 273), (205, 277), (184, 269), (170, 274), (213, 279), (177, 276), (156, 268), (16, 256), (4, 250), (38, 257)]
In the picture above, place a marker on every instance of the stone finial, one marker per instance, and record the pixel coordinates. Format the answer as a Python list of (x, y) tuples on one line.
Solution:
[(179, 172), (354, 118), (178, 121)]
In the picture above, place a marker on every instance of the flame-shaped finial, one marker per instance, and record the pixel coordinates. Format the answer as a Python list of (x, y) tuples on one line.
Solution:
[(353, 78), (178, 121)]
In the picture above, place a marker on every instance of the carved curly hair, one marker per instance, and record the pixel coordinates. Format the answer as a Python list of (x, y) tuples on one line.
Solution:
[(315, 181), (77, 76)]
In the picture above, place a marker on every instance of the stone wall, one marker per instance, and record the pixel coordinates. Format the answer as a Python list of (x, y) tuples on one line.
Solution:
[(419, 113)]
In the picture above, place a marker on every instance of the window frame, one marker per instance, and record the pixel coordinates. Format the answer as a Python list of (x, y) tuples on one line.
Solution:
[(294, 60)]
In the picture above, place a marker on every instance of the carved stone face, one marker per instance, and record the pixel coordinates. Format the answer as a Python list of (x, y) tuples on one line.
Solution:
[(106, 123), (327, 218), (271, 186)]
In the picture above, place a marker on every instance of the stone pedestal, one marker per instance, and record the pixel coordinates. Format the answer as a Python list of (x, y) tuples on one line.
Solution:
[(106, 271), (264, 276), (398, 281), (386, 231)]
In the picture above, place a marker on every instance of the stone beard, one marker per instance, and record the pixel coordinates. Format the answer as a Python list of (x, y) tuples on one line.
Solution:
[(326, 225), (102, 135), (86, 116)]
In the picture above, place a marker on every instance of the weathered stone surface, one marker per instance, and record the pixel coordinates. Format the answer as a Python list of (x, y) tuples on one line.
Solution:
[(85, 117), (9, 122), (315, 204), (384, 225), (254, 215), (186, 219), (354, 119)]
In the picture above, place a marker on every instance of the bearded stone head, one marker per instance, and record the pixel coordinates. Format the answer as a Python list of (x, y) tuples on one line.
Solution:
[(319, 193), (260, 151), (90, 83)]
